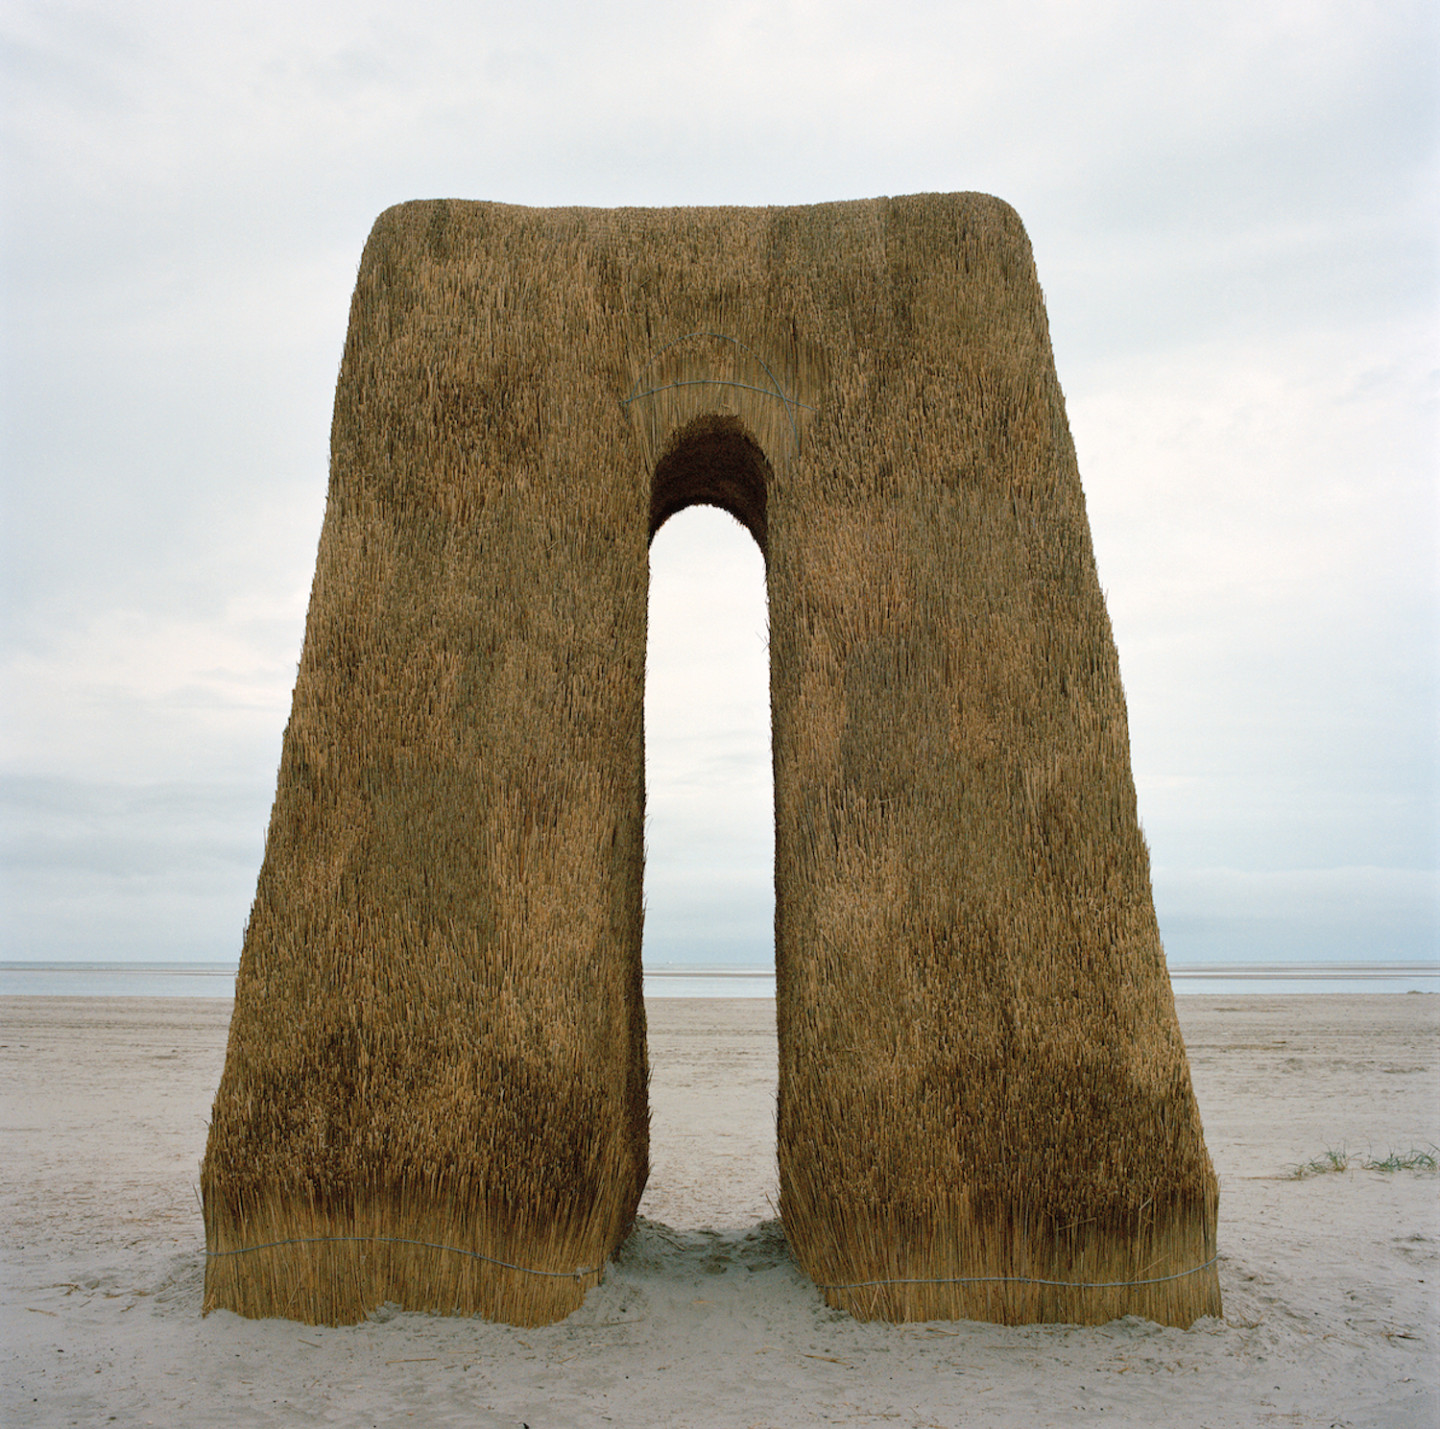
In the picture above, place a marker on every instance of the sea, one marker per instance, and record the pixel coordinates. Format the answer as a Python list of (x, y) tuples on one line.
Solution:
[(217, 979)]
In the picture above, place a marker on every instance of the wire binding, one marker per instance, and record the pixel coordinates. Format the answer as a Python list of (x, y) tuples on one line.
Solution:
[(720, 382), (579, 1274), (786, 400), (583, 1271), (1030, 1280)]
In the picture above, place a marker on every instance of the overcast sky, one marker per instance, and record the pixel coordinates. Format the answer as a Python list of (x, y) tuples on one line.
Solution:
[(1233, 208)]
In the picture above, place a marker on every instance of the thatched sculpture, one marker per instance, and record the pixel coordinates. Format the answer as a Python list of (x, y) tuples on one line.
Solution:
[(435, 1090)]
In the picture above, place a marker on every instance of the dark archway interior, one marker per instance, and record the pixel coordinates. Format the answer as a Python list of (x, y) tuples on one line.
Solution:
[(713, 461)]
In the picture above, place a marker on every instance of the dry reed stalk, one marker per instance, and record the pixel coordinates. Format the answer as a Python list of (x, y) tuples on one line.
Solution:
[(439, 1029)]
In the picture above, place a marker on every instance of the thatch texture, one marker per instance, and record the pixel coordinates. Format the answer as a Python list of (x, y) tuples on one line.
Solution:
[(439, 1030)]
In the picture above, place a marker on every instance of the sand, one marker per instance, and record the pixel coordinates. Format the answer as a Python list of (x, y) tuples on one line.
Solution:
[(1331, 1282)]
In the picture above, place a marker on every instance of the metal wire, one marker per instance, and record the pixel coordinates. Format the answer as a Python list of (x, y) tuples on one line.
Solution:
[(400, 1240), (583, 1271), (779, 390), (719, 382), (1030, 1280)]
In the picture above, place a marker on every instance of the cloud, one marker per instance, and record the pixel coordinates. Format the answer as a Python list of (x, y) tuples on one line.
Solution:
[(1233, 209), (1218, 915), (94, 869), (1265, 522)]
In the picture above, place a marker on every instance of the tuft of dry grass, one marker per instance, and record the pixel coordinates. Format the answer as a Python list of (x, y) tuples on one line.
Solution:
[(439, 1028)]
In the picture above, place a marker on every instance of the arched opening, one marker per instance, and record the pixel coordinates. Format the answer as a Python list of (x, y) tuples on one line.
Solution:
[(709, 867), (713, 461)]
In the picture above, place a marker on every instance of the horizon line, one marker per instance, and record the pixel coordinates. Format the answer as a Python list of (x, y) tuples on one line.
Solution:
[(1347, 969)]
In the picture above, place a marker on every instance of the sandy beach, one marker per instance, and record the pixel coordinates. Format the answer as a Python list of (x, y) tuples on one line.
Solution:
[(1331, 1280)]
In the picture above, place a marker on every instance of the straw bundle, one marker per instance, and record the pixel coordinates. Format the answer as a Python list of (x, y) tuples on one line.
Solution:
[(439, 1029)]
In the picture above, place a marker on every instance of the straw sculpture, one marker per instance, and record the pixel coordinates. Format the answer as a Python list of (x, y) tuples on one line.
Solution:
[(435, 1089)]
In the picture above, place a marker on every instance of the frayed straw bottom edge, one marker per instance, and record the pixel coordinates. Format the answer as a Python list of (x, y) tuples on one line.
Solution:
[(295, 1262), (1009, 1274)]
